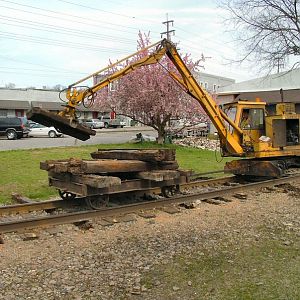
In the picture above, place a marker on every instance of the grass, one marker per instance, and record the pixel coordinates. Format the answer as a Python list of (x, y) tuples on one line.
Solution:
[(20, 171), (264, 270)]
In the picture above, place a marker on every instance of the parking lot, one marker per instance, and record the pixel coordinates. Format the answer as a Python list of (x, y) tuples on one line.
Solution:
[(103, 136)]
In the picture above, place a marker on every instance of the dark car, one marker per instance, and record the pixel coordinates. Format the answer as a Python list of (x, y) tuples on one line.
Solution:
[(14, 127)]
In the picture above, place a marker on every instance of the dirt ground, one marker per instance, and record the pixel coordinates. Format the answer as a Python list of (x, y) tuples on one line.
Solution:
[(244, 249)]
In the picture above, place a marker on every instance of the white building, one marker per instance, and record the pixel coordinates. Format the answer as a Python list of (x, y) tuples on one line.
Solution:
[(213, 83), (15, 102), (271, 89)]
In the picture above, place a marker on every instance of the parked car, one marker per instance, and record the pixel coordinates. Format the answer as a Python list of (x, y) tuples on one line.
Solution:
[(30, 122), (108, 122), (14, 127), (92, 123), (38, 130)]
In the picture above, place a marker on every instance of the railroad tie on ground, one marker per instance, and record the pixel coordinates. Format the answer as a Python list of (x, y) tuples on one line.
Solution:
[(20, 199)]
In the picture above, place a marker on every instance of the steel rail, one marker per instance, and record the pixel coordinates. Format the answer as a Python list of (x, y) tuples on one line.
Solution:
[(60, 203), (38, 206), (132, 208)]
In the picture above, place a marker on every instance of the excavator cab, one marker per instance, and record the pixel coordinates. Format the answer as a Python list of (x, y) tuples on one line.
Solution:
[(269, 134), (249, 117)]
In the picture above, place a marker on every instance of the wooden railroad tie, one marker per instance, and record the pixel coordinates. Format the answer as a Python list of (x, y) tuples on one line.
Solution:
[(109, 168)]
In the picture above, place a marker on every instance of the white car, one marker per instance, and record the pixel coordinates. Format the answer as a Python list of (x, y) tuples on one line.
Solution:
[(91, 123), (37, 130)]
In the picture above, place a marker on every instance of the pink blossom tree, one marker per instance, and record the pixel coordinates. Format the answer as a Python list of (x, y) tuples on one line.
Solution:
[(149, 95)]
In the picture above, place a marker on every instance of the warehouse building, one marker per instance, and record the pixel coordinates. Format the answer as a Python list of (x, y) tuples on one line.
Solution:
[(16, 102), (283, 86)]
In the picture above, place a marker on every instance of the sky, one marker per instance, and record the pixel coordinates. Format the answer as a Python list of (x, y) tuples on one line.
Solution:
[(45, 43)]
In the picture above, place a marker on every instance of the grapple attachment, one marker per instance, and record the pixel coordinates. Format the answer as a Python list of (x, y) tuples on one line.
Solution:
[(62, 124)]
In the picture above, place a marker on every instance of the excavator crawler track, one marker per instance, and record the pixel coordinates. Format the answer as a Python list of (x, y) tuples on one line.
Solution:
[(62, 124)]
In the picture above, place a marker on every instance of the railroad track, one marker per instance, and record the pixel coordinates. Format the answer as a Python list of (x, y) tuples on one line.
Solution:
[(81, 216), (49, 205)]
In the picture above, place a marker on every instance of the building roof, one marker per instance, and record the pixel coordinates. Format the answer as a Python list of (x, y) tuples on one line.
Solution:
[(203, 74), (57, 106), (12, 104), (27, 98), (288, 80), (29, 95), (47, 105)]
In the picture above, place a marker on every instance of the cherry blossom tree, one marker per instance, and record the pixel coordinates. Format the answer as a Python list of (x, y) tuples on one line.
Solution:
[(149, 95)]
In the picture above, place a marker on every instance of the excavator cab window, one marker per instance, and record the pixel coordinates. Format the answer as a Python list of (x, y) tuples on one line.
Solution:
[(292, 132), (252, 119), (231, 113)]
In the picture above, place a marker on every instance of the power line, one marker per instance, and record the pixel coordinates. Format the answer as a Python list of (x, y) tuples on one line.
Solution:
[(188, 44), (66, 14), (94, 8), (37, 74), (98, 9), (40, 70), (55, 42), (40, 65), (62, 30), (68, 20), (211, 40)]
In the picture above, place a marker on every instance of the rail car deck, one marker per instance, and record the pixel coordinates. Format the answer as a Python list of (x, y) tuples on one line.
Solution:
[(85, 189), (116, 171)]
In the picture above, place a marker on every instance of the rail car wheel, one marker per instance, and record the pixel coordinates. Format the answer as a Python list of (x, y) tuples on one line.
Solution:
[(169, 191), (97, 202), (66, 195)]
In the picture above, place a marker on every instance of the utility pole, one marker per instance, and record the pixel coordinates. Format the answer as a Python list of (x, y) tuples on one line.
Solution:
[(167, 23), (279, 64)]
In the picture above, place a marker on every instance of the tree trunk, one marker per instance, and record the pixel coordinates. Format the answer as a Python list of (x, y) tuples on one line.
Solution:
[(161, 136)]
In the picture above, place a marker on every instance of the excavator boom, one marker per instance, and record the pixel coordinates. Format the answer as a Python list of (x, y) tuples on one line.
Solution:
[(269, 138), (65, 121)]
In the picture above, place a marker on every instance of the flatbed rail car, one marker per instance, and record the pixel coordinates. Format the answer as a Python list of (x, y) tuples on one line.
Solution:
[(116, 171)]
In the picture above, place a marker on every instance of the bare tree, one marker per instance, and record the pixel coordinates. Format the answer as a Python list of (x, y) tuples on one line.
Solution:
[(267, 31), (58, 87), (10, 85)]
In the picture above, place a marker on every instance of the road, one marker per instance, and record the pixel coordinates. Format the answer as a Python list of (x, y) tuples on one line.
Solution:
[(103, 136)]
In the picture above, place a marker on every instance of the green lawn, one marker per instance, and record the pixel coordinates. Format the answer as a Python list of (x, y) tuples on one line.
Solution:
[(262, 270), (20, 171)]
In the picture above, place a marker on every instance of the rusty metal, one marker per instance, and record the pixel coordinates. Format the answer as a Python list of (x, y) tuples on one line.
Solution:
[(126, 186), (271, 168), (54, 204), (38, 206), (207, 173), (252, 167), (132, 208)]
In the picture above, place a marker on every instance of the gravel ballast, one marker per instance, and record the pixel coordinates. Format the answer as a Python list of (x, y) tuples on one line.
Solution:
[(110, 262)]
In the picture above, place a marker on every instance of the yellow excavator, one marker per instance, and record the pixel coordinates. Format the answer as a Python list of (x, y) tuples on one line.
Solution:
[(269, 139)]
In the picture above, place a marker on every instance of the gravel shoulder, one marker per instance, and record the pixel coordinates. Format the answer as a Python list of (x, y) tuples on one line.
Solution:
[(173, 256)]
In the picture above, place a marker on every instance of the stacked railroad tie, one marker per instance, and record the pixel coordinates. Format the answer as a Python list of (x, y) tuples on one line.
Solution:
[(110, 168)]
